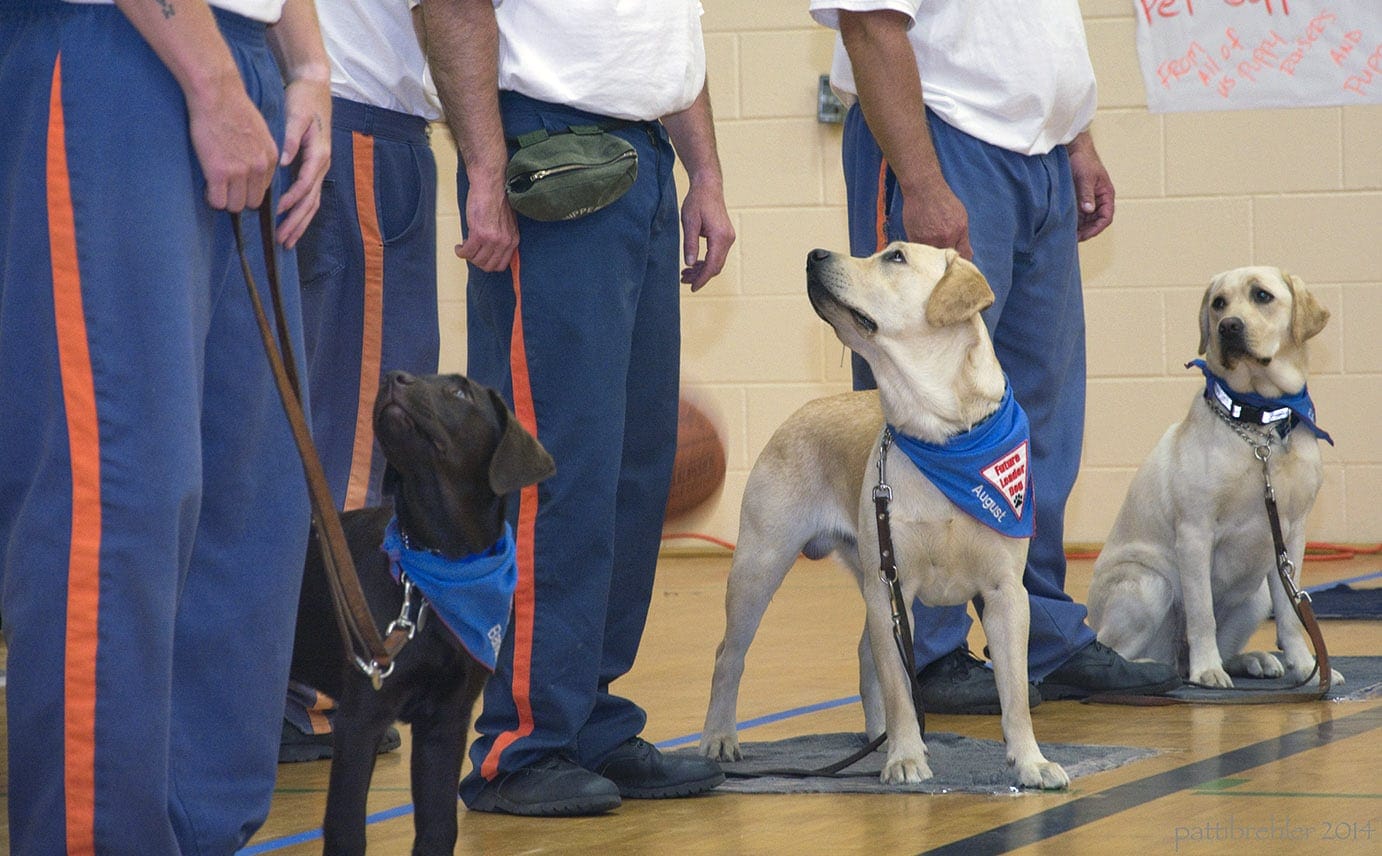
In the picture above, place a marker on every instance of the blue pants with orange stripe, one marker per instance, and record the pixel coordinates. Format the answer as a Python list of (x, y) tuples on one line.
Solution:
[(368, 265), (153, 518), (1022, 218), (582, 334)]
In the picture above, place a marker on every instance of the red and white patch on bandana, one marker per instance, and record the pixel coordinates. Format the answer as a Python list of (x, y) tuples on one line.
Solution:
[(1009, 475)]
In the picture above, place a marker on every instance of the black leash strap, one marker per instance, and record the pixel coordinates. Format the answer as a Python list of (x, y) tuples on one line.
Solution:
[(902, 631), (887, 572), (834, 769), (364, 646)]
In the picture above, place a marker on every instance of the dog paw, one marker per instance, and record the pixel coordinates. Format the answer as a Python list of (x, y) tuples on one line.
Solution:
[(1302, 670), (721, 747), (905, 771), (1305, 671), (1254, 664), (1043, 774), (1214, 676)]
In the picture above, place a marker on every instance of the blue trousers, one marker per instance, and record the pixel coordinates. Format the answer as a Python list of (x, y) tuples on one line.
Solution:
[(1022, 217), (153, 515), (369, 285), (582, 334)]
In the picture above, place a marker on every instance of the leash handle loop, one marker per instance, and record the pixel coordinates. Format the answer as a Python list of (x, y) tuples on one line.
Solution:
[(356, 622)]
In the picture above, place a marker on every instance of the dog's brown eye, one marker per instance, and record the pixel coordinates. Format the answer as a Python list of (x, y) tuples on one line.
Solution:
[(1218, 303), (1262, 295), (895, 256)]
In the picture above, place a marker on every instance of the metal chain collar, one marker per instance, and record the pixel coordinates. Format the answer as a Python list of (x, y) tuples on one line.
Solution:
[(1261, 442)]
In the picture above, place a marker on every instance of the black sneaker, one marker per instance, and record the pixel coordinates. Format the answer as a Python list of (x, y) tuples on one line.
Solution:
[(642, 772), (1097, 668), (295, 745), (960, 683), (553, 787)]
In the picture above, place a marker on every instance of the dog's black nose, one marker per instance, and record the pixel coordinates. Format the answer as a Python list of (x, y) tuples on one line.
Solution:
[(401, 378), (1232, 327), (816, 256)]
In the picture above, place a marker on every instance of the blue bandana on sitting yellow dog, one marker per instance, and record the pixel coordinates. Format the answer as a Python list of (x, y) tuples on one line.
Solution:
[(472, 595), (1282, 414), (985, 470)]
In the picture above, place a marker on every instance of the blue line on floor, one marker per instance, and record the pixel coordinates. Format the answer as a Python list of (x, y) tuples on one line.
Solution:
[(316, 834), (399, 811), (1103, 804), (765, 720), (1045, 824), (1332, 583)]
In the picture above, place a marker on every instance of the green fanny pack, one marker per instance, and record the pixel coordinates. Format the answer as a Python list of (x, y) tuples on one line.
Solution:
[(570, 173)]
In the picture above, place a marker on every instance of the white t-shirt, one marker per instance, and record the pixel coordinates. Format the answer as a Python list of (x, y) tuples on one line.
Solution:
[(631, 59), (375, 55), (1014, 73), (267, 11)]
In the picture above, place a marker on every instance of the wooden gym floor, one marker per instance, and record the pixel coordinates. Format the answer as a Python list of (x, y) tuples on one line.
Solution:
[(1258, 779)]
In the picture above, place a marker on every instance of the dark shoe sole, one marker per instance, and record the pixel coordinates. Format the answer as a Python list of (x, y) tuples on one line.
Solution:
[(1034, 698), (291, 752), (1070, 692), (295, 753), (680, 789), (572, 807)]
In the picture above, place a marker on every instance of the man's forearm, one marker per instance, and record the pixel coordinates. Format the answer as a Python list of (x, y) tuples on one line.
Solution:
[(463, 50), (297, 43), (185, 37), (890, 94), (693, 135)]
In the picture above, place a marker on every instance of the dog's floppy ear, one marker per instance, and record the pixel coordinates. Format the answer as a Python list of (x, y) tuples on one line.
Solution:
[(961, 293), (519, 459), (1204, 315), (1308, 317)]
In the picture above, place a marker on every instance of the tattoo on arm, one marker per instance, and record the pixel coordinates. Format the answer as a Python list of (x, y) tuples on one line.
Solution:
[(167, 7)]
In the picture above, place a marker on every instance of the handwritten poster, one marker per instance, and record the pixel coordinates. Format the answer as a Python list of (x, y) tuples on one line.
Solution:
[(1240, 54)]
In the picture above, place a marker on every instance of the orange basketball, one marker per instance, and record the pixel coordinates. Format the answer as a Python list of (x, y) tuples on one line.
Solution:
[(698, 471)]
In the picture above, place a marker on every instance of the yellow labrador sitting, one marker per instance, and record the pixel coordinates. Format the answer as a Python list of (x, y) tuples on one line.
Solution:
[(1185, 575), (913, 312)]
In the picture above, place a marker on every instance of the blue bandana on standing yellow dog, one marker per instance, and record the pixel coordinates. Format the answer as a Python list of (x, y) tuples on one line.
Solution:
[(472, 595), (985, 471)]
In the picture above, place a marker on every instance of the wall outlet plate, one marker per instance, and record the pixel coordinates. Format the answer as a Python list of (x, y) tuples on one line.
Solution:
[(829, 109)]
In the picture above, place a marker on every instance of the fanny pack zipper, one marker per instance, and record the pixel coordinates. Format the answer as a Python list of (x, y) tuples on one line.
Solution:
[(557, 170)]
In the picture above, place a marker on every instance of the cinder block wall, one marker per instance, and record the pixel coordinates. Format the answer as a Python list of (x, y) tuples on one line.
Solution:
[(1197, 193)]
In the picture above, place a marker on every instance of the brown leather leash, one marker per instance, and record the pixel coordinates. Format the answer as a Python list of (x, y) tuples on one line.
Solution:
[(368, 650), (887, 572), (1300, 603)]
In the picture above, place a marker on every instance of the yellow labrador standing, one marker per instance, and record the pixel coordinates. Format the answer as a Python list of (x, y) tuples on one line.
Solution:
[(1186, 573), (913, 312)]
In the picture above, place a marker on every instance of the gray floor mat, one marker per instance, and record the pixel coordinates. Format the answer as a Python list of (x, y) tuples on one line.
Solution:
[(958, 764)]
